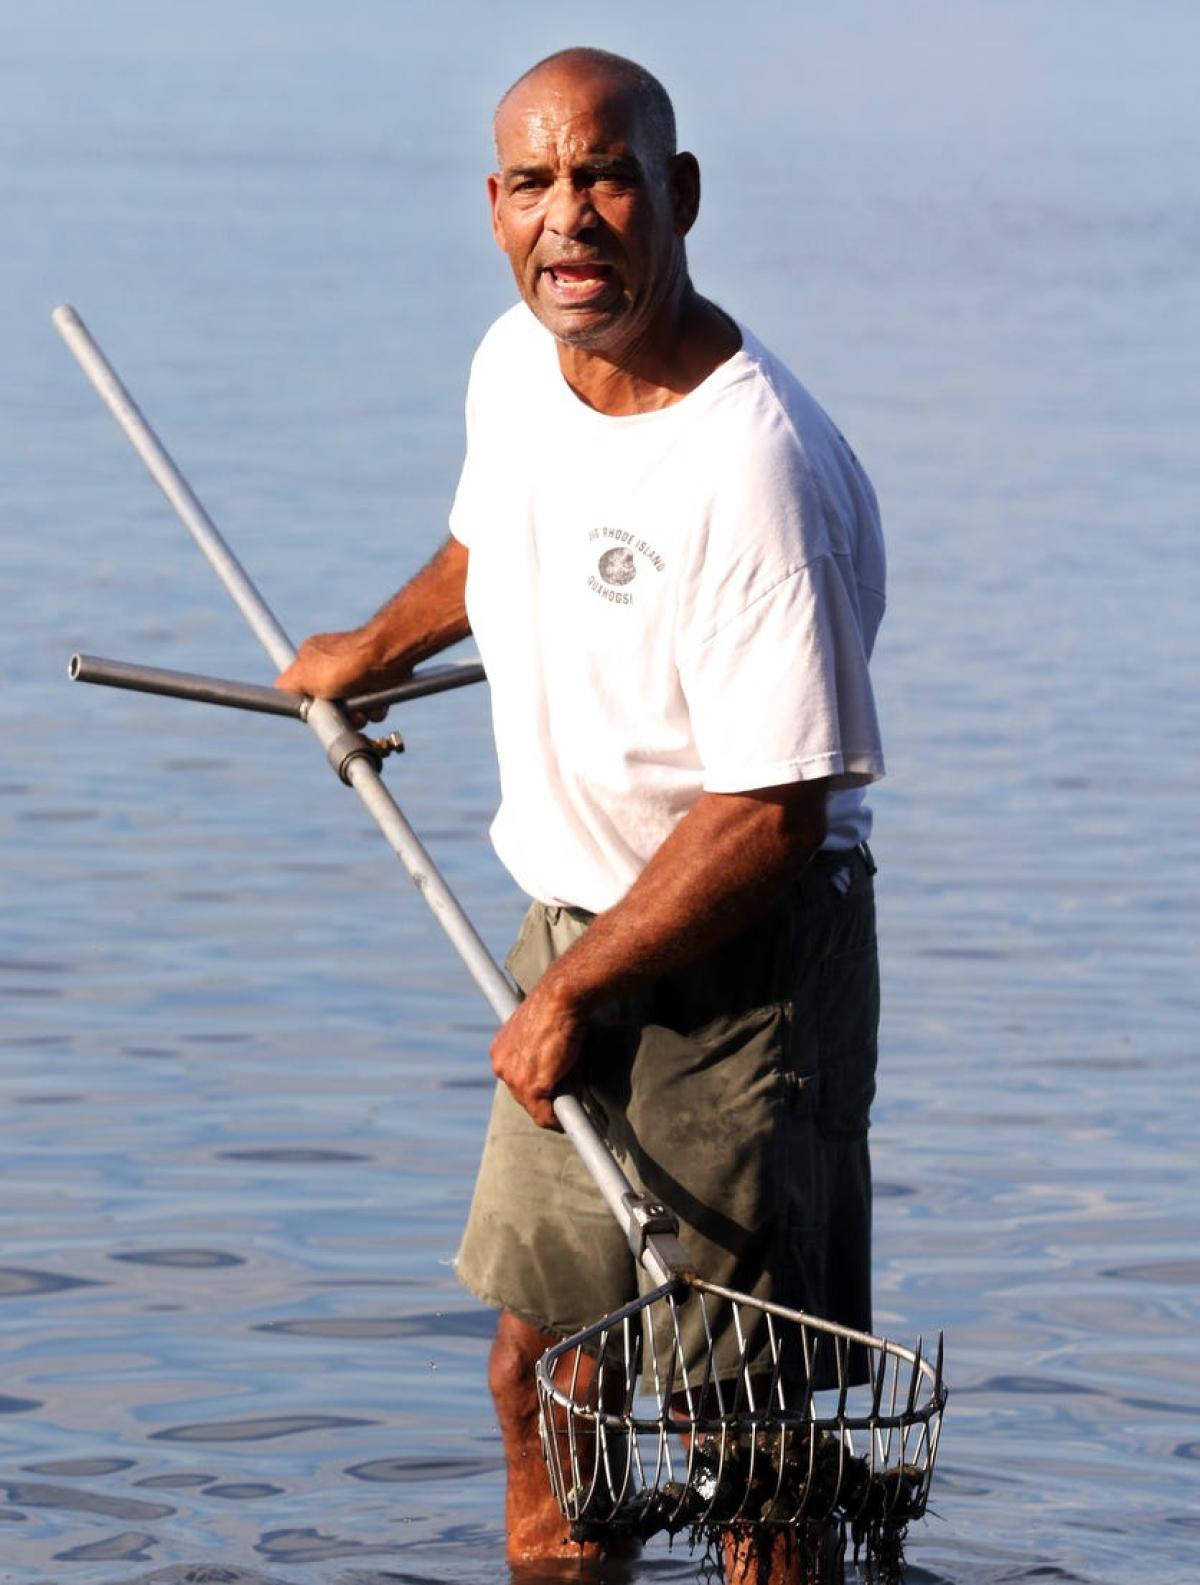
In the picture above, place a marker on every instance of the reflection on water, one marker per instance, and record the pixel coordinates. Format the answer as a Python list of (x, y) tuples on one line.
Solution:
[(475, 1323), (189, 1259), (255, 1430), (244, 1080)]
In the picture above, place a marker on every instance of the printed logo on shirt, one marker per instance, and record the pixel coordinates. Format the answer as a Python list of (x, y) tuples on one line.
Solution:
[(618, 565)]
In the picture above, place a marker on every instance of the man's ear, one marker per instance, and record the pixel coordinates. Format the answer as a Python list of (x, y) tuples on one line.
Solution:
[(685, 191), (493, 188)]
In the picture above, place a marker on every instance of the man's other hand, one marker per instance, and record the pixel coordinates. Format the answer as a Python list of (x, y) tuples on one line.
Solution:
[(335, 666), (536, 1050)]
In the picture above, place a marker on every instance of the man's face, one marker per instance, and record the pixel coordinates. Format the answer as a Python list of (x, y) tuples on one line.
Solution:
[(588, 212)]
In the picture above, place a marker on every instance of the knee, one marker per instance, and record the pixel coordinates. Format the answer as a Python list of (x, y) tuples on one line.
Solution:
[(515, 1352)]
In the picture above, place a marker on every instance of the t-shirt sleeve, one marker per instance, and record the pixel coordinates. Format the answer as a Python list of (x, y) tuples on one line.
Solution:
[(779, 692), (464, 511)]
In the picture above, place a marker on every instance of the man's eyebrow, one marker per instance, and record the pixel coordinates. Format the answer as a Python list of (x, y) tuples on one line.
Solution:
[(600, 164), (607, 164), (510, 172)]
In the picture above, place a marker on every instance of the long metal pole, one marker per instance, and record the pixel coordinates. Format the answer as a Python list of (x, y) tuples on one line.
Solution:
[(660, 1252)]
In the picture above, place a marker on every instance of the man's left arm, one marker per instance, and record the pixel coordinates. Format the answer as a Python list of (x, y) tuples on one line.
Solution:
[(721, 865)]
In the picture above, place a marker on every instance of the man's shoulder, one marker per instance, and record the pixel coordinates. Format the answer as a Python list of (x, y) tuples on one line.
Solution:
[(791, 431), (773, 395), (516, 334)]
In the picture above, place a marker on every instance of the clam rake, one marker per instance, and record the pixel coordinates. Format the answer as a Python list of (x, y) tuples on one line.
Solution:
[(693, 1409)]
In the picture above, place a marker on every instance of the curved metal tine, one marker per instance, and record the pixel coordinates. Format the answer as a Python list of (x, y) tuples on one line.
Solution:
[(845, 1451), (775, 1342), (934, 1437), (893, 1395), (711, 1387), (880, 1377), (711, 1378), (579, 1480), (553, 1458), (837, 1427), (626, 1436), (871, 1453), (640, 1431), (808, 1351), (631, 1350), (743, 1365), (600, 1476), (662, 1392), (745, 1384), (914, 1380), (775, 1390), (813, 1444), (686, 1427), (895, 1486), (841, 1355), (597, 1392), (680, 1382)]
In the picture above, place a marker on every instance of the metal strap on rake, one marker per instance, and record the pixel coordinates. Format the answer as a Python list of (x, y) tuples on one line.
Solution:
[(693, 1408)]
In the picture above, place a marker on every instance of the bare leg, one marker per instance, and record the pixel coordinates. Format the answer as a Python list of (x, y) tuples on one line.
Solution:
[(535, 1525), (761, 1557)]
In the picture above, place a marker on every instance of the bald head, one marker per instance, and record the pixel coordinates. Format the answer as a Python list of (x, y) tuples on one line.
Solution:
[(645, 93)]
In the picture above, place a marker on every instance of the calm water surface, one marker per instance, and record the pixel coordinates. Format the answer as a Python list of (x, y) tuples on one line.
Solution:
[(244, 1080)]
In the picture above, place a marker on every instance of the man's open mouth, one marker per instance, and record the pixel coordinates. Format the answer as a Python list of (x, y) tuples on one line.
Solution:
[(578, 281)]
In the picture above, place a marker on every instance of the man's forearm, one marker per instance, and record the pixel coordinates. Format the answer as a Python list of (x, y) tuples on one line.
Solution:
[(428, 614), (424, 617), (718, 869)]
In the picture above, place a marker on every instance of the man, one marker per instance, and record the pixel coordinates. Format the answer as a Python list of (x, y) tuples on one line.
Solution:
[(671, 562)]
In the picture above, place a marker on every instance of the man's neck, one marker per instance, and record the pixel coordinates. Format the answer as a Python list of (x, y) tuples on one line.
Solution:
[(686, 344)]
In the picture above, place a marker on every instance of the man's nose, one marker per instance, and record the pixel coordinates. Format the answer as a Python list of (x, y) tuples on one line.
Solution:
[(569, 211)]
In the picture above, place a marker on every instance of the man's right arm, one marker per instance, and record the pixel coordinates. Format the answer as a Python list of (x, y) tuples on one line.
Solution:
[(428, 614)]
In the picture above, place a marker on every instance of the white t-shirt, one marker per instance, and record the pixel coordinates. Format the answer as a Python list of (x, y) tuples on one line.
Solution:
[(668, 603)]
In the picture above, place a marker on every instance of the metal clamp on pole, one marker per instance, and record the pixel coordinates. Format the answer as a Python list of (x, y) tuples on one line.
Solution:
[(652, 1230), (349, 746), (646, 1217), (346, 748)]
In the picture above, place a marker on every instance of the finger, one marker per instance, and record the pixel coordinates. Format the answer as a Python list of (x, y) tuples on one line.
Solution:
[(542, 1113)]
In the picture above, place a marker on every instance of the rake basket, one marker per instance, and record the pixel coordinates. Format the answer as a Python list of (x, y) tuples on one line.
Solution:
[(785, 1422)]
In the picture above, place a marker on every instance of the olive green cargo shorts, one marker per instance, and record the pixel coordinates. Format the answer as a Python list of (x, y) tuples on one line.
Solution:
[(737, 1090)]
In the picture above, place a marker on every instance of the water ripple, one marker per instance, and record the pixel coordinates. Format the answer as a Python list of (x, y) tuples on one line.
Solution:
[(32, 1494), (257, 1430), (180, 1259), (449, 1323), (404, 1471), (80, 1466), (18, 1282), (243, 1491), (131, 1546), (292, 1155)]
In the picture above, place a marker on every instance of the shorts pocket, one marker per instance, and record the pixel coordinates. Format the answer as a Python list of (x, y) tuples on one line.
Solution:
[(847, 1041)]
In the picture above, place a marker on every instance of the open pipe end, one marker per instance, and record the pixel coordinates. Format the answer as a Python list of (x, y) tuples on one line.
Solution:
[(74, 666)]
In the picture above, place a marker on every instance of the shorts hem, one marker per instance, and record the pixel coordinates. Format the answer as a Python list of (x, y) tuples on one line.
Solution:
[(538, 1322)]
